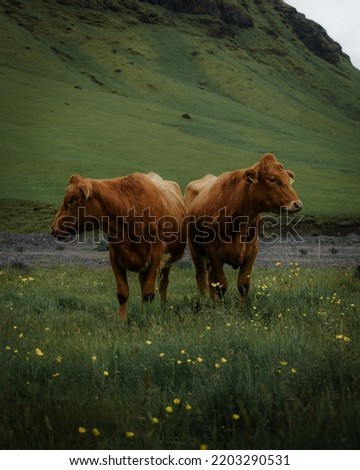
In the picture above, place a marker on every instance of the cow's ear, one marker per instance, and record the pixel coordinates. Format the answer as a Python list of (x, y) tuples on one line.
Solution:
[(291, 175), (74, 179), (250, 175), (86, 188), (268, 158), (83, 184)]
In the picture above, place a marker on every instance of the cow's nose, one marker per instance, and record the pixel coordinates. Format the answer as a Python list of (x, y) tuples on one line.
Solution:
[(296, 206)]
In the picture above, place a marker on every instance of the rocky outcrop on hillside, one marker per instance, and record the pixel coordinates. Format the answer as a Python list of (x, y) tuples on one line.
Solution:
[(232, 13), (225, 16), (311, 34)]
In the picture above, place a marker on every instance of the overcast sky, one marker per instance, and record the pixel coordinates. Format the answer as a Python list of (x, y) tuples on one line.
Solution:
[(340, 18)]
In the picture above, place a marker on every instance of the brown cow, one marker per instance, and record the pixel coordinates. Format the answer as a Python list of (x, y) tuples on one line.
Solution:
[(142, 216), (223, 219)]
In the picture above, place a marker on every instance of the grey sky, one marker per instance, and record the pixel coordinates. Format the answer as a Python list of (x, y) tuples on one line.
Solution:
[(340, 18)]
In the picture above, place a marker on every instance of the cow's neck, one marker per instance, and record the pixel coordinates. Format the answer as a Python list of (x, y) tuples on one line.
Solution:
[(107, 207), (117, 212), (241, 203)]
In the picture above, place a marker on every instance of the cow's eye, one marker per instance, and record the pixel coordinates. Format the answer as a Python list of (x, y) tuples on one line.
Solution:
[(273, 179), (70, 202)]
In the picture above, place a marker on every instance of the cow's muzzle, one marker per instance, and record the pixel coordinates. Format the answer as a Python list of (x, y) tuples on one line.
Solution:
[(62, 236), (295, 206)]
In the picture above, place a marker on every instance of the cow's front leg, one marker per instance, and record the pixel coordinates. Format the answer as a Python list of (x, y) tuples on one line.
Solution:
[(121, 282), (201, 271), (245, 271), (164, 282), (147, 277), (217, 280), (244, 285)]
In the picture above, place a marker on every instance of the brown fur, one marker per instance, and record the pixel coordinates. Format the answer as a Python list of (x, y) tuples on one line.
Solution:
[(142, 216), (223, 220), (195, 187)]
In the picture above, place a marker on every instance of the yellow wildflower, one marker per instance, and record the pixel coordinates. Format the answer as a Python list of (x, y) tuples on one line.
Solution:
[(169, 409), (81, 430), (284, 363), (96, 432), (38, 352), (235, 416), (155, 420), (204, 447), (106, 373), (176, 401), (129, 434)]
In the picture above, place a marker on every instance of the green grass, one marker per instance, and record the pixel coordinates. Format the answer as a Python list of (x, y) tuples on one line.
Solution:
[(281, 374), (246, 96)]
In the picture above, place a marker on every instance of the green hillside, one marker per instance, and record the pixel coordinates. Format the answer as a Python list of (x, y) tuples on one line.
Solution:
[(105, 88)]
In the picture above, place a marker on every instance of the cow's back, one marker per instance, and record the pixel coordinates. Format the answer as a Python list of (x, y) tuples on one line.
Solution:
[(170, 194), (172, 228), (194, 188)]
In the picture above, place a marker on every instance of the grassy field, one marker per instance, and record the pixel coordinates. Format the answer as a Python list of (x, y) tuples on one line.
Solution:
[(284, 373), (104, 94)]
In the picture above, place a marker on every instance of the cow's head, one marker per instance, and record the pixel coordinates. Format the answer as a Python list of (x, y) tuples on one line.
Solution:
[(271, 186), (75, 215)]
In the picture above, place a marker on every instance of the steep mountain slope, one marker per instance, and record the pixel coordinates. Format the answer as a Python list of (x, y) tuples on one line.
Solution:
[(106, 87)]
